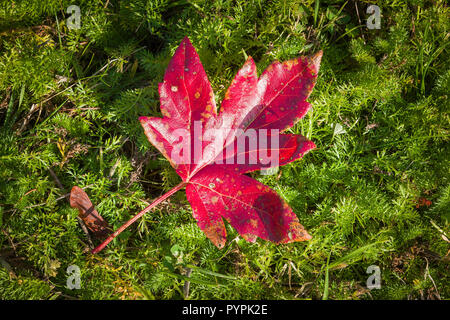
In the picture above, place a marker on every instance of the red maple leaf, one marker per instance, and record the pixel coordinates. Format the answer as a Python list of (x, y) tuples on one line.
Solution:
[(212, 151)]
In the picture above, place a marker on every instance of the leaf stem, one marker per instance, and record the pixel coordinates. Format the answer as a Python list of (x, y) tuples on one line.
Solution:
[(140, 214)]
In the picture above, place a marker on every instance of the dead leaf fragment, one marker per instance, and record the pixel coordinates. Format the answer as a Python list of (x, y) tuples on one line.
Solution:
[(95, 223)]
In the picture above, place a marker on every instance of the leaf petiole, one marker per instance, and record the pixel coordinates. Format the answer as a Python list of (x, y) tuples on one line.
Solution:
[(140, 214)]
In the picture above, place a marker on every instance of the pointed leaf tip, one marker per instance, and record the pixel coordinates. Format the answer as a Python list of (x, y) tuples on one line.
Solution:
[(316, 59), (187, 41)]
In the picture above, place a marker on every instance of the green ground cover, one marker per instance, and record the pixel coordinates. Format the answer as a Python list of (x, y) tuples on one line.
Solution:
[(375, 191)]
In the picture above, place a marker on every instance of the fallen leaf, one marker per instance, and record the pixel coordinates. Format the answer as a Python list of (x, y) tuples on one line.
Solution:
[(195, 138), (91, 218)]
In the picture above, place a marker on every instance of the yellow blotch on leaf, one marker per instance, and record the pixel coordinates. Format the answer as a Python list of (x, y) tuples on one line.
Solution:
[(214, 199)]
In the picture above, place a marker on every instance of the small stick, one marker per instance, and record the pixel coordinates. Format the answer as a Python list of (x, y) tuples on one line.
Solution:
[(359, 19), (56, 179), (187, 283), (86, 232)]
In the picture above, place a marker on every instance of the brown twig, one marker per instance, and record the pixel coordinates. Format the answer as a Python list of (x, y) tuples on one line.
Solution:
[(359, 19), (13, 246), (86, 232), (52, 173), (187, 283)]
